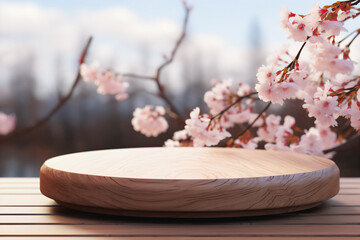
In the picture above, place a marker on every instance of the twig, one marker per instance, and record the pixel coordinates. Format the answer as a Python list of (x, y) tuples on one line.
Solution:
[(26, 130), (347, 36), (251, 124), (343, 145), (232, 104), (292, 64), (132, 75), (171, 109), (352, 40)]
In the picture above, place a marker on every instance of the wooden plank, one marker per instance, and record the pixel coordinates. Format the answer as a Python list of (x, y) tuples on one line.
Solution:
[(33, 210), (28, 180), (19, 185), (350, 185), (30, 200), (11, 191), (176, 238), (341, 200), (25, 180), (352, 191), (58, 210), (36, 190), (25, 200), (350, 179), (108, 220), (163, 229)]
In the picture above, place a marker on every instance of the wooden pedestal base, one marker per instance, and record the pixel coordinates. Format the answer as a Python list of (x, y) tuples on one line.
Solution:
[(189, 182)]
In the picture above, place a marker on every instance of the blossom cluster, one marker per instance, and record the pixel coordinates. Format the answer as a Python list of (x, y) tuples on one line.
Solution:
[(7, 123), (325, 82), (287, 137), (149, 120), (107, 81), (209, 129)]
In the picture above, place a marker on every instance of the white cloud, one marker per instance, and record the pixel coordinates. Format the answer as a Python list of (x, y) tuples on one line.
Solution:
[(120, 36)]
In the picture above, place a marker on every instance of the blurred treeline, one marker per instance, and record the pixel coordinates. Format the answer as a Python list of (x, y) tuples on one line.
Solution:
[(91, 122)]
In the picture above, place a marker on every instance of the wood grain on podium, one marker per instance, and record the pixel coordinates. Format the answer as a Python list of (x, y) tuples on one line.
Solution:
[(176, 182)]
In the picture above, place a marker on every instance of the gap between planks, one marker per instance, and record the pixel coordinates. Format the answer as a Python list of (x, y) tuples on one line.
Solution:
[(222, 229), (105, 220)]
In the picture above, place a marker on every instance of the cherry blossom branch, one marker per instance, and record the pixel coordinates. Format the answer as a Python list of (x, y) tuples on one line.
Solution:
[(132, 75), (352, 40), (347, 36), (250, 125), (292, 64), (343, 145), (171, 109), (62, 101), (231, 105)]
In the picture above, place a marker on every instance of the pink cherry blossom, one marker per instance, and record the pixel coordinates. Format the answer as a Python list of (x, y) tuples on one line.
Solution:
[(171, 143), (323, 106), (326, 59), (316, 20), (201, 132), (222, 95), (297, 28), (250, 144), (180, 135), (328, 137), (107, 81), (277, 147), (354, 113), (178, 140), (311, 143), (150, 121), (268, 132), (345, 14), (7, 123), (90, 72)]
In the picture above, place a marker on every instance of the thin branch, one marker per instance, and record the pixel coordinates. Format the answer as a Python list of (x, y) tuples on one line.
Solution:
[(142, 77), (343, 145), (232, 104), (352, 40), (178, 42), (347, 36), (171, 109), (26, 130), (292, 64), (252, 123)]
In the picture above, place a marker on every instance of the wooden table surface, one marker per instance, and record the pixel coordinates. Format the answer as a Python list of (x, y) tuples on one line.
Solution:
[(26, 214)]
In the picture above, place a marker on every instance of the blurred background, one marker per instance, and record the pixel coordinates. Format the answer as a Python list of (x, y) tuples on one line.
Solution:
[(40, 43)]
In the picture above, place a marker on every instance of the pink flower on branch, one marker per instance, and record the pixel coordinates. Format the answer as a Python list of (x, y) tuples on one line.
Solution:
[(7, 123), (107, 81), (225, 95), (204, 132), (149, 121)]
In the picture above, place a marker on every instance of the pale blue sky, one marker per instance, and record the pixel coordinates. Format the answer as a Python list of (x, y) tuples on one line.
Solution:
[(230, 19), (219, 33)]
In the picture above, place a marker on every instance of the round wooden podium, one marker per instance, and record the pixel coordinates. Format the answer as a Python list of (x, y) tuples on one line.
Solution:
[(189, 182)]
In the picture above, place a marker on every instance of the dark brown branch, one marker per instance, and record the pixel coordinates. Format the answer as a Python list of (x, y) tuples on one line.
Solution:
[(171, 109), (26, 130), (352, 40), (232, 104), (132, 75), (251, 124), (343, 145), (347, 36), (292, 64)]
